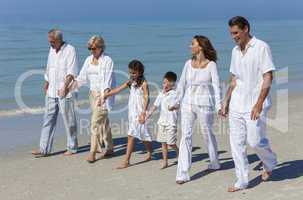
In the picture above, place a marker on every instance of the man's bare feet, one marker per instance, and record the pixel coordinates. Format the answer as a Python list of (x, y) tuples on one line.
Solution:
[(265, 176), (36, 152), (91, 158), (234, 189), (124, 165), (164, 165)]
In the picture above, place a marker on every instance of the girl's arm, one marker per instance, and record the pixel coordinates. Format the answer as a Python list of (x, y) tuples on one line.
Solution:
[(146, 102), (117, 89), (112, 92)]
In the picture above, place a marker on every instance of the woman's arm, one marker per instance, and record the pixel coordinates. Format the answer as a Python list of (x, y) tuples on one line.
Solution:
[(216, 86), (180, 89)]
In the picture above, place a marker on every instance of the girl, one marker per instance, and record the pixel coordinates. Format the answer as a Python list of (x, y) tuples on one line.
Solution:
[(199, 95), (137, 107)]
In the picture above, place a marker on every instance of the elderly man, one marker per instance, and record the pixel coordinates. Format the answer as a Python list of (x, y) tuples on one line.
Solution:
[(248, 101), (60, 71)]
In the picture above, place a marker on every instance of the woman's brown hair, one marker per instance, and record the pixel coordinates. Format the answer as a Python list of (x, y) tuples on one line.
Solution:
[(208, 49)]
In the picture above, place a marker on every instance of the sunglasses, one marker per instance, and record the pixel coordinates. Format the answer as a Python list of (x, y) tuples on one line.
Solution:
[(91, 49)]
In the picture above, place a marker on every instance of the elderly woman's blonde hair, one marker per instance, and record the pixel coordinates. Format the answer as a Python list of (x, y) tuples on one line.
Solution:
[(96, 40)]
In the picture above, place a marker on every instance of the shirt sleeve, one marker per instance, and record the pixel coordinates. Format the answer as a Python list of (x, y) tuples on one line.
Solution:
[(109, 74), (232, 68), (72, 62), (181, 85), (46, 74), (216, 85), (266, 63), (82, 78), (157, 102)]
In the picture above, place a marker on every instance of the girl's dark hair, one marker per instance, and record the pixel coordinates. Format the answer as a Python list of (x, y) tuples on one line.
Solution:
[(208, 49), (239, 21), (137, 66)]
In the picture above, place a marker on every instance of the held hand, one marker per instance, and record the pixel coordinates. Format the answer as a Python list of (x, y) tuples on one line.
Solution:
[(63, 92), (45, 88), (256, 111), (142, 118), (100, 101), (175, 107), (224, 109)]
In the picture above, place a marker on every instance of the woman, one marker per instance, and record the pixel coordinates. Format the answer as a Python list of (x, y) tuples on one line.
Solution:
[(198, 94), (98, 70)]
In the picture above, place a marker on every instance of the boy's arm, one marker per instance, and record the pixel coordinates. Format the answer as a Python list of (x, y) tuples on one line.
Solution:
[(151, 111)]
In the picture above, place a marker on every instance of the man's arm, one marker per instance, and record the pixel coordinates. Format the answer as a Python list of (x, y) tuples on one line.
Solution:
[(257, 109), (225, 103)]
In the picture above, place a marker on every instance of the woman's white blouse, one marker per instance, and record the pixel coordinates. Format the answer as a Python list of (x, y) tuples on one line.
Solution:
[(100, 77), (199, 86)]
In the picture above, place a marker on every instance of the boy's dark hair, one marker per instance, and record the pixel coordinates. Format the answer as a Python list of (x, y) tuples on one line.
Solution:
[(170, 76), (239, 21)]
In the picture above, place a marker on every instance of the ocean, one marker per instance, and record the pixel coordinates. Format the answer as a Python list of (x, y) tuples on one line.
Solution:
[(161, 46)]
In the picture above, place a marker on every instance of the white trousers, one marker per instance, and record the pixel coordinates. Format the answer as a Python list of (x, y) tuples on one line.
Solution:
[(244, 130), (205, 118)]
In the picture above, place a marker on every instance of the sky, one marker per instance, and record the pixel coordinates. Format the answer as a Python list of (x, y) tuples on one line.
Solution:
[(116, 10)]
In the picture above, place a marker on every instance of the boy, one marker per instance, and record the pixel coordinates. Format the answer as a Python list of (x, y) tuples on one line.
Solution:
[(167, 123)]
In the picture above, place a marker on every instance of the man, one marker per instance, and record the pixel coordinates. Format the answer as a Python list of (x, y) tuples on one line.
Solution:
[(60, 72), (247, 101)]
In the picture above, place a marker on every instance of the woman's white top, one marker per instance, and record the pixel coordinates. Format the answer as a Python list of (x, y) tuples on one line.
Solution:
[(100, 76), (199, 86)]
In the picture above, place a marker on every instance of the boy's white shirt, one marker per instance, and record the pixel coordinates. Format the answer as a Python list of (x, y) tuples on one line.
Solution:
[(164, 100)]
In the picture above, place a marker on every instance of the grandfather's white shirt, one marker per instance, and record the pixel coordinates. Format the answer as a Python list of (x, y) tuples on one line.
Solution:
[(164, 100), (100, 76), (59, 65), (248, 70), (199, 86)]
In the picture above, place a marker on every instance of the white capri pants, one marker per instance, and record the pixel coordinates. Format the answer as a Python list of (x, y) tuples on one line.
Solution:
[(205, 118), (244, 130)]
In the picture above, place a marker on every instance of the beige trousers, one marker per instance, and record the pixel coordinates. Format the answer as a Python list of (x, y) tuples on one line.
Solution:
[(100, 129)]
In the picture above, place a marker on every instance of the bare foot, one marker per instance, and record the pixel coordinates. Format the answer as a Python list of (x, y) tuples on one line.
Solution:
[(265, 176), (148, 157), (180, 182), (106, 154), (68, 153), (124, 165), (234, 189), (164, 165), (36, 152), (91, 158)]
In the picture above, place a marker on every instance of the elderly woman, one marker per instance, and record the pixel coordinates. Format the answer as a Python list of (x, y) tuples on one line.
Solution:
[(98, 71)]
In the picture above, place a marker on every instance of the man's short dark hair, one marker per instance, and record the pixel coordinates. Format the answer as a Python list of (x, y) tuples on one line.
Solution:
[(170, 76), (239, 21)]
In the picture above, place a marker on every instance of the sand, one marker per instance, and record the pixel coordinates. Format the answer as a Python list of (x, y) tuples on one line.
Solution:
[(57, 177)]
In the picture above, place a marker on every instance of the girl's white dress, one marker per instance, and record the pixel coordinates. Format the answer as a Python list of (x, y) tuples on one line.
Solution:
[(135, 108)]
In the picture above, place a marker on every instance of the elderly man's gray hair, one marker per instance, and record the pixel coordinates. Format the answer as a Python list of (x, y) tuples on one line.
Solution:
[(56, 33)]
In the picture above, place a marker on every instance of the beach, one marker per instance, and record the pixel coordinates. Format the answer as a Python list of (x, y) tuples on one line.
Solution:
[(23, 177), (57, 177)]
